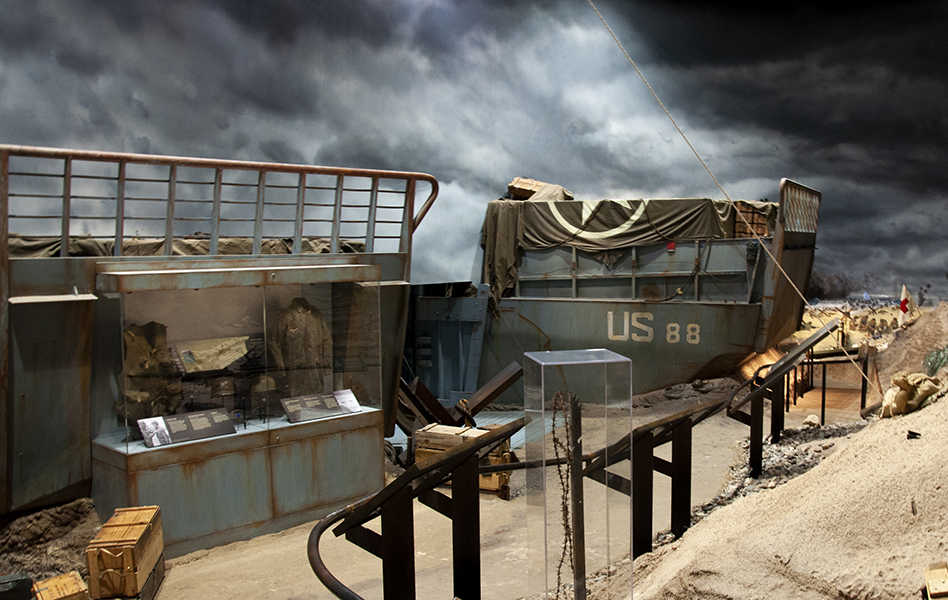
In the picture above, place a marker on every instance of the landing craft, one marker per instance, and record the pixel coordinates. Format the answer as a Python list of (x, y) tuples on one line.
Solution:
[(687, 288)]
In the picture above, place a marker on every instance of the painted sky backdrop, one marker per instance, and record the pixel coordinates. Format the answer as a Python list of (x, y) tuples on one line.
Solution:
[(851, 99)]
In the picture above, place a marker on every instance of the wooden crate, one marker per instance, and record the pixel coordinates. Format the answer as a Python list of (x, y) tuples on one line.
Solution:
[(64, 587), (124, 553), (150, 589), (521, 187), (434, 439), (936, 580)]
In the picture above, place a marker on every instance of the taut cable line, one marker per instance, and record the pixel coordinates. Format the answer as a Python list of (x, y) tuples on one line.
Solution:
[(723, 191)]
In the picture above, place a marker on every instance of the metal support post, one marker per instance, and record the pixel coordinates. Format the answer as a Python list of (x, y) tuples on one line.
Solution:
[(756, 458), (790, 384), (398, 547), (465, 524), (823, 399), (681, 478), (642, 453), (776, 413), (576, 497), (812, 370), (865, 381)]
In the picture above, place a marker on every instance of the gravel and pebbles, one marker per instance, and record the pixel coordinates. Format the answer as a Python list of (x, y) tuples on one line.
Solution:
[(797, 451)]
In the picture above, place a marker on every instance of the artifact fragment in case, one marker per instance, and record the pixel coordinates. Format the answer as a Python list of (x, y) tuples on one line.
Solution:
[(224, 392), (212, 355), (152, 386), (223, 386), (265, 397)]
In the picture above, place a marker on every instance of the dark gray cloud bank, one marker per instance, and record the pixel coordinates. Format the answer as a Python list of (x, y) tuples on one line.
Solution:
[(849, 98)]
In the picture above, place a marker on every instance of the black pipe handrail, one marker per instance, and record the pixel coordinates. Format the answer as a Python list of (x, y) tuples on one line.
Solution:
[(316, 561), (783, 366), (459, 464)]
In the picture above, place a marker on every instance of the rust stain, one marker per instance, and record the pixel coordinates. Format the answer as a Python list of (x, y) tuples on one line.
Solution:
[(545, 346), (271, 484), (133, 489), (190, 469)]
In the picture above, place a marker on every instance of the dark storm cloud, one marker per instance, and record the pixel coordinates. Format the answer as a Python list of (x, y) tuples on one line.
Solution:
[(832, 75), (847, 97), (281, 92), (281, 152), (21, 29), (282, 21), (690, 33), (82, 61), (852, 97)]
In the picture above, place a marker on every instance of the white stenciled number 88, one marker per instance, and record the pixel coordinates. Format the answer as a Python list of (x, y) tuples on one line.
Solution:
[(694, 333)]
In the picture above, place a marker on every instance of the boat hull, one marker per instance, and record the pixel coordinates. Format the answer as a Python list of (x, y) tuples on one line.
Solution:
[(668, 342)]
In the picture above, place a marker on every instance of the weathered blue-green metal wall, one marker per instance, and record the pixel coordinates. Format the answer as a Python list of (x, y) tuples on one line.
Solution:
[(219, 490)]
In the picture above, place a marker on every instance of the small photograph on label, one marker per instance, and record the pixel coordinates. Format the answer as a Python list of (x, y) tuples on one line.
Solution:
[(155, 431)]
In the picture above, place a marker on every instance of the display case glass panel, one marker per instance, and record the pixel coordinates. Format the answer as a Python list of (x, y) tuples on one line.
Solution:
[(576, 403), (199, 363)]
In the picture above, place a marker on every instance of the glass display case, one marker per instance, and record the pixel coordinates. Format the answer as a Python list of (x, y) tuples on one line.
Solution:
[(578, 408), (225, 352)]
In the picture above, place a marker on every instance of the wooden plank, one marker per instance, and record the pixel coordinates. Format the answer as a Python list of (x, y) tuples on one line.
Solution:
[(406, 399), (442, 437), (150, 589), (415, 393), (146, 562), (431, 403), (495, 387)]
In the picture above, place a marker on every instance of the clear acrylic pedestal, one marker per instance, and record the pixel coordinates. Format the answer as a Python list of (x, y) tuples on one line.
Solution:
[(576, 402)]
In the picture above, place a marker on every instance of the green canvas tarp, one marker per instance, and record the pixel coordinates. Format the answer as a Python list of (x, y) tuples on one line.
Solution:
[(48, 246), (600, 227)]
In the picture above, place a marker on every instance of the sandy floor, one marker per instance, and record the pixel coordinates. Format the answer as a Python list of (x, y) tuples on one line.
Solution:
[(275, 566), (863, 524)]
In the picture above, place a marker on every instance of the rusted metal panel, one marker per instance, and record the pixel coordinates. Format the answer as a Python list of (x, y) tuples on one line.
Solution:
[(229, 487), (4, 332), (393, 297), (41, 276), (48, 424), (317, 471), (682, 340), (141, 459), (202, 497), (109, 482), (712, 270), (793, 246)]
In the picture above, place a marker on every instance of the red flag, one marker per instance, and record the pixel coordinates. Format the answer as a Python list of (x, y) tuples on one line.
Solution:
[(906, 307)]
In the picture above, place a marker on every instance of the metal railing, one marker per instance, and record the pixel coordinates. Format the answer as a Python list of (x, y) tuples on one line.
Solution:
[(574, 273), (120, 196)]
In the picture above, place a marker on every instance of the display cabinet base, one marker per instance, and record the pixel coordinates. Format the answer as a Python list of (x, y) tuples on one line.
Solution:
[(260, 480)]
